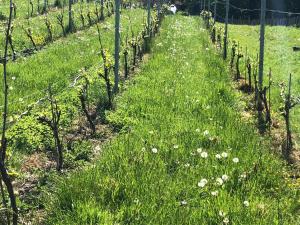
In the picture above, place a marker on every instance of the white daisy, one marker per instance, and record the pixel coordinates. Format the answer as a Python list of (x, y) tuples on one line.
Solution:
[(183, 203), (204, 155), (199, 150), (206, 133), (219, 181), (235, 160), (221, 213), (187, 165), (225, 177), (214, 193), (218, 156), (246, 203), (202, 183), (226, 220), (224, 154), (154, 150)]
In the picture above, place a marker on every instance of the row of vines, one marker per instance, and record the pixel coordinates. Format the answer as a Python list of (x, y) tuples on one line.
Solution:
[(246, 74), (62, 121)]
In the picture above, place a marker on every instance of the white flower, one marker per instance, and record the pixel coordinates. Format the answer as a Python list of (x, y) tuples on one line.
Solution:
[(204, 155), (187, 165), (224, 177), (136, 201), (206, 133), (20, 99), (218, 156), (244, 175), (151, 132), (183, 203), (221, 213), (224, 155), (226, 220), (154, 150), (13, 78), (11, 88), (143, 149), (220, 181), (202, 183), (207, 49), (246, 203), (198, 130), (235, 160), (176, 146), (199, 150), (214, 193), (98, 148)]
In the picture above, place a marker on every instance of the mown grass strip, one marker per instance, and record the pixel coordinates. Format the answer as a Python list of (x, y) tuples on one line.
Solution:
[(184, 156)]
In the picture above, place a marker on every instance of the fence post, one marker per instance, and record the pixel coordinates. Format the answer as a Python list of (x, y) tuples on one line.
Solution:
[(149, 16), (209, 5), (70, 16), (204, 6), (262, 46), (215, 10), (201, 5), (226, 30), (117, 45)]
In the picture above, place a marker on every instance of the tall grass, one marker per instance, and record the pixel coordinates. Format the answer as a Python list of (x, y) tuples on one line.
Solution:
[(184, 154)]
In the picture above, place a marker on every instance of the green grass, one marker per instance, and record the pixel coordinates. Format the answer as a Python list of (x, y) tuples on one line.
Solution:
[(38, 27), (61, 61), (279, 56), (23, 5), (180, 103)]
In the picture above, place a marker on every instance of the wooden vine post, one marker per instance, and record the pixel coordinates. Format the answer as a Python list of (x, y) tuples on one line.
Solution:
[(117, 45), (149, 17), (215, 11), (261, 51), (4, 174), (71, 24), (101, 9), (226, 31)]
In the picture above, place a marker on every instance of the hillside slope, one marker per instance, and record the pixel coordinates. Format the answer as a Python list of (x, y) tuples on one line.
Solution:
[(185, 155)]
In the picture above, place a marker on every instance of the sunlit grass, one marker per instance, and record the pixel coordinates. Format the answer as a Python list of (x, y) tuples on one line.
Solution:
[(60, 62), (279, 56), (184, 155)]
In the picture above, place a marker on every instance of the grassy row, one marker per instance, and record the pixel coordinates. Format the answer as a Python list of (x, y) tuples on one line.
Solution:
[(39, 29), (62, 60), (279, 56), (185, 155), (24, 7)]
